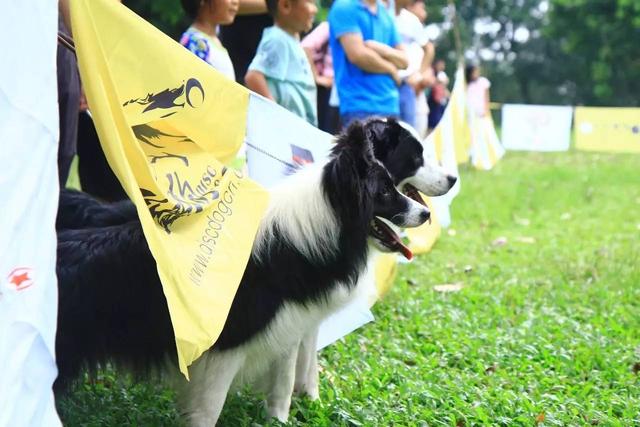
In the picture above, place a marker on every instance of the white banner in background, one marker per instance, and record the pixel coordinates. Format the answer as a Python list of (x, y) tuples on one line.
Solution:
[(536, 127), (278, 141), (29, 194)]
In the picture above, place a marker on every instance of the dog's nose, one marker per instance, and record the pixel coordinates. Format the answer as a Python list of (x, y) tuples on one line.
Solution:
[(452, 180), (424, 216)]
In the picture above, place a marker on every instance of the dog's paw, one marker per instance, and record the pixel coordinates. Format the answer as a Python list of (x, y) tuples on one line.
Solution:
[(202, 420), (312, 391), (278, 411)]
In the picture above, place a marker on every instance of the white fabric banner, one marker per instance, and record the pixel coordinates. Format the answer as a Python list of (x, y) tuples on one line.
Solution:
[(278, 141), (442, 204), (29, 192), (272, 154), (536, 127)]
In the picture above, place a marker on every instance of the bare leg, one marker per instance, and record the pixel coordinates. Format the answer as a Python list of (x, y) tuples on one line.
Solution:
[(307, 366), (282, 375)]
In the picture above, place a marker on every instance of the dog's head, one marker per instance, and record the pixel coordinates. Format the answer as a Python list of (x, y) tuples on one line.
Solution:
[(398, 147), (363, 189)]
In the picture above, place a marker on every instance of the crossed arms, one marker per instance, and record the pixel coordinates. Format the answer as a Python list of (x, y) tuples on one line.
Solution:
[(373, 56)]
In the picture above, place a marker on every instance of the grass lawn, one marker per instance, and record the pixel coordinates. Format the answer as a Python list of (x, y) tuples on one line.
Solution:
[(546, 329)]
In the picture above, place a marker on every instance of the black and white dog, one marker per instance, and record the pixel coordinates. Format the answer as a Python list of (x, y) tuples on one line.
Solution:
[(397, 146), (309, 252)]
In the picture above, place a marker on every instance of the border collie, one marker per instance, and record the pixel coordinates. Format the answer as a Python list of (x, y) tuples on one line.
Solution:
[(397, 146), (310, 250)]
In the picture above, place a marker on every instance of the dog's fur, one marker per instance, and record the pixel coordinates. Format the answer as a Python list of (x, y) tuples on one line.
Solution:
[(310, 250), (78, 210), (397, 146)]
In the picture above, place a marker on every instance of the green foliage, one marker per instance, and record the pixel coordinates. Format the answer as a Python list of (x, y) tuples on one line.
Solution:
[(519, 69), (578, 51), (602, 42), (545, 327), (167, 15)]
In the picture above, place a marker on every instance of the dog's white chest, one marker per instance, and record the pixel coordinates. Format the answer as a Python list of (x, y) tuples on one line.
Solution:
[(284, 332)]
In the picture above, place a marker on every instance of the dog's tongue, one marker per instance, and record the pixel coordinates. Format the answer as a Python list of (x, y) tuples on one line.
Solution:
[(398, 246), (413, 193), (391, 240)]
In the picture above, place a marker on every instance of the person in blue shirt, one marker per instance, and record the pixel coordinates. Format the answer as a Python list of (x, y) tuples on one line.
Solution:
[(367, 55), (281, 70)]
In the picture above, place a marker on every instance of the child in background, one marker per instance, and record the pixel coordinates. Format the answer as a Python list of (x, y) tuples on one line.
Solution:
[(486, 148), (280, 70), (477, 91), (316, 46), (439, 95), (201, 37)]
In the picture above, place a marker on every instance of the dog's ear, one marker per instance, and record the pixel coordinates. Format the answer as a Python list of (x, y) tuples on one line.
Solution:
[(393, 131), (354, 147), (360, 146), (384, 135)]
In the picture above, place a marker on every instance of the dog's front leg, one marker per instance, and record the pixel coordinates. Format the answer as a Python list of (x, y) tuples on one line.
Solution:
[(211, 376), (281, 377), (307, 366)]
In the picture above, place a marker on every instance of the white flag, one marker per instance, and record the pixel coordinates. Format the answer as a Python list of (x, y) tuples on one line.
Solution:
[(29, 193)]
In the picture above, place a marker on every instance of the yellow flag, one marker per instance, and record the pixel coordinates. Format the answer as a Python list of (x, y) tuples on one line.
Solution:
[(386, 267), (422, 239), (167, 122), (486, 148), (452, 132)]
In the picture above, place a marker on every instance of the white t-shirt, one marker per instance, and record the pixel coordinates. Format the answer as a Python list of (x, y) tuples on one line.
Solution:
[(413, 38)]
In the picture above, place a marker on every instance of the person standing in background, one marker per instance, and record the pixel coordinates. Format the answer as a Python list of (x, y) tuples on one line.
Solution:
[(68, 104), (367, 55), (477, 91), (280, 70), (419, 75), (439, 95), (316, 46), (94, 173), (241, 38), (486, 148), (419, 9), (201, 37)]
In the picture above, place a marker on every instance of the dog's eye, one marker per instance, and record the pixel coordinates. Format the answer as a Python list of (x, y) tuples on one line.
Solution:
[(385, 193)]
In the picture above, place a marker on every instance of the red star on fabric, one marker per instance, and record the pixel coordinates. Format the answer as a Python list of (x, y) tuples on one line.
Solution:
[(19, 278)]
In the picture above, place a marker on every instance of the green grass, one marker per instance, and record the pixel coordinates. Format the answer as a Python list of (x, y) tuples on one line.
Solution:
[(542, 333)]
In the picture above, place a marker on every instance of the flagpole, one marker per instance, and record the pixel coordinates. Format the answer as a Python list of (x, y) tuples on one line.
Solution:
[(66, 41)]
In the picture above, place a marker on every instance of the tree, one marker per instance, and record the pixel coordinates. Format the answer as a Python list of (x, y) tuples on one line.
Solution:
[(167, 15), (551, 52), (603, 39)]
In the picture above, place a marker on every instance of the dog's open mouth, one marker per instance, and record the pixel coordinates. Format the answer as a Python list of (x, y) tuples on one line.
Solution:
[(388, 238), (412, 192)]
